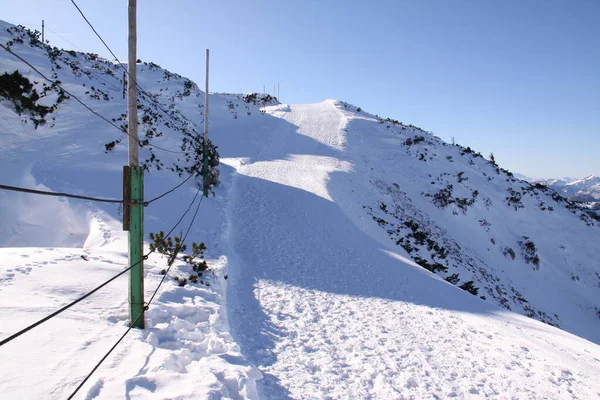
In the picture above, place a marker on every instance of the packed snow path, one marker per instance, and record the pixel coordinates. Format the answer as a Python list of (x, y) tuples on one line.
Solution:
[(325, 311)]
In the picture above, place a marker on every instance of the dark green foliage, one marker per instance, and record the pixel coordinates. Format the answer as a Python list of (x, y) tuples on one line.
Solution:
[(379, 220), (469, 287), (163, 271), (435, 267), (358, 109), (19, 91), (419, 237), (108, 147), (391, 121), (258, 100), (453, 279), (492, 159), (187, 88), (514, 199), (593, 215), (172, 247), (166, 246), (194, 146), (412, 225), (443, 197), (508, 251), (197, 252), (529, 252)]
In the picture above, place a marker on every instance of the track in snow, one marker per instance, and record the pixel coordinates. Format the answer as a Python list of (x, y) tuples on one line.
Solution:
[(325, 312)]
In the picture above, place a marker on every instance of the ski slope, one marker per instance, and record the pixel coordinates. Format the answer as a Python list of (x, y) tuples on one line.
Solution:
[(325, 311), (308, 297)]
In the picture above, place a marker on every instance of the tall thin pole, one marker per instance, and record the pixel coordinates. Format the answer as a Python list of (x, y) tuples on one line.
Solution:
[(43, 32), (206, 129), (278, 91), (132, 121), (136, 224)]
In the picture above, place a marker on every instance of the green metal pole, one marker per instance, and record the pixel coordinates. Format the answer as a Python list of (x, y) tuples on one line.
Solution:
[(136, 248)]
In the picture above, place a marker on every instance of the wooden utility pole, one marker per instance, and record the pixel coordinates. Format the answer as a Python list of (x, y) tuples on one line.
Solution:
[(43, 32), (136, 187), (206, 182)]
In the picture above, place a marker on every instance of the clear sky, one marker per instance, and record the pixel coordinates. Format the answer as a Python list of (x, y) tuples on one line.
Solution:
[(519, 78)]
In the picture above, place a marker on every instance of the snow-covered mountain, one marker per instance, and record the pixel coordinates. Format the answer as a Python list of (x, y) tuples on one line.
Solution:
[(581, 190), (338, 244)]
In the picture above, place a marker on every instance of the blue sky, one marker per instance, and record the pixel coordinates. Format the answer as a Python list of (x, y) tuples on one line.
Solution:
[(519, 78)]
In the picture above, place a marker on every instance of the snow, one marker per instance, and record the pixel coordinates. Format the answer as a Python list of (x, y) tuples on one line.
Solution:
[(325, 312), (309, 296)]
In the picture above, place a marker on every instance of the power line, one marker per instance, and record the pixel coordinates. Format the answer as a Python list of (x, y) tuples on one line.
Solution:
[(66, 40), (182, 241), (174, 189), (79, 48), (73, 196), (101, 200), (147, 306), (105, 356), (152, 99), (81, 102), (54, 314)]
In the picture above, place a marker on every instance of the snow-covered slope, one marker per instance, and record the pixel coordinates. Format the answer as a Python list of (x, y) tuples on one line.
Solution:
[(312, 240)]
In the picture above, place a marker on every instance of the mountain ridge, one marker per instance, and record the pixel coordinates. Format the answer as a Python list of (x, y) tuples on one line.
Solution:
[(341, 236)]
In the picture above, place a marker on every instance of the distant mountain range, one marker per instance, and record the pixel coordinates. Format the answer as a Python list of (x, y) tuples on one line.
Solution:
[(583, 190)]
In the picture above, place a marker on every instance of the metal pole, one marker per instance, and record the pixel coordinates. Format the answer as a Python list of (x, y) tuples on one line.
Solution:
[(43, 32), (136, 226), (206, 130)]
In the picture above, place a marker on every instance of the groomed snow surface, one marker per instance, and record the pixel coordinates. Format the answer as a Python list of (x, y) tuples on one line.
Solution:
[(307, 300), (325, 311)]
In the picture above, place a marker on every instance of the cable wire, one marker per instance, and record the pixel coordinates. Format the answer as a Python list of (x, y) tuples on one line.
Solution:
[(112, 86), (83, 104), (147, 305), (182, 241), (105, 356), (55, 313), (61, 36), (174, 189), (152, 99), (69, 195)]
